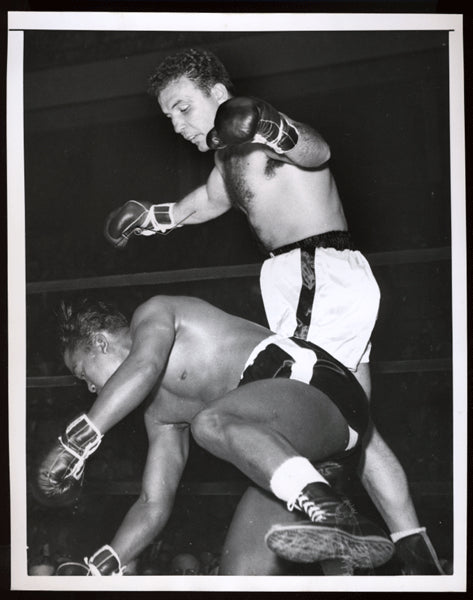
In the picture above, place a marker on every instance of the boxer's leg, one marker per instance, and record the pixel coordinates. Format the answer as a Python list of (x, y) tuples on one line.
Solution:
[(382, 474), (261, 424), (386, 482), (245, 551), (265, 428)]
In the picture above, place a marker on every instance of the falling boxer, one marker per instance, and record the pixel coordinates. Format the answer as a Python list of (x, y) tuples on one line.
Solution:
[(273, 407)]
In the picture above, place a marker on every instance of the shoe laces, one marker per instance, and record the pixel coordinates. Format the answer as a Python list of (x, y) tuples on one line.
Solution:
[(314, 511)]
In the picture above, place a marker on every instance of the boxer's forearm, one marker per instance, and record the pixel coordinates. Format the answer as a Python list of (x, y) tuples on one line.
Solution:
[(311, 150), (144, 521), (167, 456), (199, 206)]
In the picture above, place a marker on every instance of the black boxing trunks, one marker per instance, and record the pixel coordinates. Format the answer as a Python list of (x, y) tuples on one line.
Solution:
[(300, 360)]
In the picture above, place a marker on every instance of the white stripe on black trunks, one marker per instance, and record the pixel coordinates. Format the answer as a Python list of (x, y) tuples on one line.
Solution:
[(304, 359), (301, 370)]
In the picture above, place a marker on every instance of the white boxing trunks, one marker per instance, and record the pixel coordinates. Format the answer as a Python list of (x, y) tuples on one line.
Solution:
[(325, 295)]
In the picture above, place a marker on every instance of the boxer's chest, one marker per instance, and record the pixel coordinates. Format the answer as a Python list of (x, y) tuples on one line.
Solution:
[(249, 174)]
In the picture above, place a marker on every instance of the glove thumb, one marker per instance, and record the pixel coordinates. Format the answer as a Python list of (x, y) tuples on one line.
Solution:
[(213, 140)]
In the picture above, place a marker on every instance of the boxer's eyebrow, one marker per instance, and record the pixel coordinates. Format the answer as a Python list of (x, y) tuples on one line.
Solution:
[(168, 113), (179, 101)]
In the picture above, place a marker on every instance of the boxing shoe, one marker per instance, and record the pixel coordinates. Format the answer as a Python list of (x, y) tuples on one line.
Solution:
[(417, 555), (333, 531)]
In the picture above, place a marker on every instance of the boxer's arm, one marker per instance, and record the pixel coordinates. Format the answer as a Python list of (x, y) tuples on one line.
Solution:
[(167, 457), (128, 387), (152, 340), (205, 203), (145, 219), (311, 150), (243, 120)]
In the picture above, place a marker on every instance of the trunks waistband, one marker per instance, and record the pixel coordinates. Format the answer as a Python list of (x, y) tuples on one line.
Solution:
[(339, 240)]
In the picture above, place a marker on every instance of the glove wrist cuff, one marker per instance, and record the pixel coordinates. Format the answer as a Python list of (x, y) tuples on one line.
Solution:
[(287, 136), (81, 439), (104, 562), (159, 218)]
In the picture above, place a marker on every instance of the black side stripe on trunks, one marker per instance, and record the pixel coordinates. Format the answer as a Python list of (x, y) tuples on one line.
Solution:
[(306, 297)]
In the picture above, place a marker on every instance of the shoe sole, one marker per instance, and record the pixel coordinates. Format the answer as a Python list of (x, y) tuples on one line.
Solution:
[(310, 544)]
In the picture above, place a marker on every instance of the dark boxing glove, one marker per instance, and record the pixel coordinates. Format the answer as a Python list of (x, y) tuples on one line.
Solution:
[(104, 562), (138, 218), (240, 120), (63, 466)]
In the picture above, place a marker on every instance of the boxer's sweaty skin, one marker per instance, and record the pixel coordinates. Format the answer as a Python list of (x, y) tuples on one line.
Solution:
[(274, 194)]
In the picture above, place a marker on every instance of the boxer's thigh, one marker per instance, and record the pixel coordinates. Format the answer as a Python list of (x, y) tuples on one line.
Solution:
[(244, 551), (301, 413)]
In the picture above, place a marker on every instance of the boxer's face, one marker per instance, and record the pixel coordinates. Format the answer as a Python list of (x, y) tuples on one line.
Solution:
[(191, 110), (93, 364)]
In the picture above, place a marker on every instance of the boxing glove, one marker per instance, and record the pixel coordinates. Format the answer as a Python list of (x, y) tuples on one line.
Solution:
[(104, 562), (63, 466), (240, 120), (138, 218), (72, 568)]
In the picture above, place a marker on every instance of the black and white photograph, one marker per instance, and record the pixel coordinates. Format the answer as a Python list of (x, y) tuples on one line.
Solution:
[(236, 302)]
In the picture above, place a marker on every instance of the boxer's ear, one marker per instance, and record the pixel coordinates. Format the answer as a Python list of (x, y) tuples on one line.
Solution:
[(220, 92), (101, 342)]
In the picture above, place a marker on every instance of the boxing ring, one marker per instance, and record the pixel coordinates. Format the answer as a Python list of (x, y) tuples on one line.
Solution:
[(222, 273)]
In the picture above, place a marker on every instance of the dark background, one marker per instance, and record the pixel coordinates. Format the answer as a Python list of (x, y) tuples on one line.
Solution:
[(94, 139)]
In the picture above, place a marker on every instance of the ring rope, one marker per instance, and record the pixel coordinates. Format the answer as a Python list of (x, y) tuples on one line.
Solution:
[(397, 257)]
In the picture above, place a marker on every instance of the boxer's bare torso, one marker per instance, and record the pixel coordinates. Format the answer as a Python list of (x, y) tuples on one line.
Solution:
[(283, 202), (207, 358)]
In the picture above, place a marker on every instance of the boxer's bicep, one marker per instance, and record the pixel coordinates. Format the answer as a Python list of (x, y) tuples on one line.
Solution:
[(218, 199), (152, 339), (152, 343)]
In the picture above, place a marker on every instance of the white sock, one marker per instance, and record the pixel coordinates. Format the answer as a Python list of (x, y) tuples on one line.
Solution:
[(292, 476), (398, 535)]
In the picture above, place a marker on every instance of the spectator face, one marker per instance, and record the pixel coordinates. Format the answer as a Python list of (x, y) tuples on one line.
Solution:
[(185, 564)]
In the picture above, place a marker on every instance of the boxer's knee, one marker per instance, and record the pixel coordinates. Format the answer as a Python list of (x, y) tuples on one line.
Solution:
[(211, 427)]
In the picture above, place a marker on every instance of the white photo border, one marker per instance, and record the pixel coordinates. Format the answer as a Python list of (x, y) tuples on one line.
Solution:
[(18, 22)]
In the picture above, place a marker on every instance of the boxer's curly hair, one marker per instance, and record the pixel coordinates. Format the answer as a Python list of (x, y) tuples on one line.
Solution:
[(79, 321), (200, 66)]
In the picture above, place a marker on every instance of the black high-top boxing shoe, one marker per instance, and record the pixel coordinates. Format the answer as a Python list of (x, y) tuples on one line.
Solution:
[(333, 531), (417, 555)]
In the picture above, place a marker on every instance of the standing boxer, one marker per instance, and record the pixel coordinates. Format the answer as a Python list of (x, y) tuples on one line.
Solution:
[(269, 405), (315, 285)]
